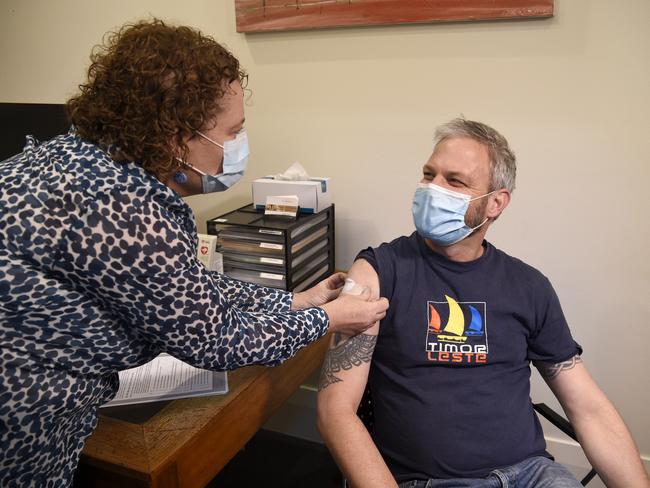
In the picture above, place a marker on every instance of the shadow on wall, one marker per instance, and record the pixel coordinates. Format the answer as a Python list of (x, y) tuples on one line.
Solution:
[(493, 39), (352, 236)]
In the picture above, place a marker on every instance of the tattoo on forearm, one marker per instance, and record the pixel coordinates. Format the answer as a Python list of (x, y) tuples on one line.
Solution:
[(550, 371), (344, 355)]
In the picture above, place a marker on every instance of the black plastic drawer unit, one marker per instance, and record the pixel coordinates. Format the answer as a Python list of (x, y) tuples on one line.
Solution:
[(275, 251)]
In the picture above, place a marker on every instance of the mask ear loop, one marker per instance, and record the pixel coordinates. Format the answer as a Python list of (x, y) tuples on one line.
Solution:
[(481, 224), (208, 139), (194, 168), (180, 177), (483, 196), (486, 218)]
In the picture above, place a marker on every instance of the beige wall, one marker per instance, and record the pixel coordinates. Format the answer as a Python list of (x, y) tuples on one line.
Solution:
[(361, 104)]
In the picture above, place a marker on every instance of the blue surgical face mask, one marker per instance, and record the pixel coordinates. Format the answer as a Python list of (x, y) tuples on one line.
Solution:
[(235, 159), (439, 214)]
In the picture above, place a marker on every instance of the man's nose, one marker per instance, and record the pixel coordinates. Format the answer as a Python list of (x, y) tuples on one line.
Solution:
[(439, 180)]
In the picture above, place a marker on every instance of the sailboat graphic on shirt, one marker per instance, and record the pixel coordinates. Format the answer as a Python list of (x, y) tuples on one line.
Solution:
[(455, 330)]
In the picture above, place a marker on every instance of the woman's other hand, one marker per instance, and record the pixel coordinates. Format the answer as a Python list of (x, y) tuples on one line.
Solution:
[(353, 314), (323, 292)]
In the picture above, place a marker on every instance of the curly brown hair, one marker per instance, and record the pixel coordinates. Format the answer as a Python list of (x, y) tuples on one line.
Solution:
[(150, 87)]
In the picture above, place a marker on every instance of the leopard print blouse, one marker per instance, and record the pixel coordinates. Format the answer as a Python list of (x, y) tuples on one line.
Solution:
[(98, 273)]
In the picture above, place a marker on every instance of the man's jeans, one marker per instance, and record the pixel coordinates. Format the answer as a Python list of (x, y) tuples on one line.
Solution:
[(536, 472)]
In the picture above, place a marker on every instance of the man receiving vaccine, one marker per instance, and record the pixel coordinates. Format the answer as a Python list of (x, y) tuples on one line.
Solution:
[(450, 375)]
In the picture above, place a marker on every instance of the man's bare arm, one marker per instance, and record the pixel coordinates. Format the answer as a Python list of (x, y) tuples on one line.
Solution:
[(344, 354), (344, 376), (550, 371), (601, 431)]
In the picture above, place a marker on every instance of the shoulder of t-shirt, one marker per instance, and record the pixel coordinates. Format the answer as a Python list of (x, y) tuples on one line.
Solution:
[(519, 270), (386, 257)]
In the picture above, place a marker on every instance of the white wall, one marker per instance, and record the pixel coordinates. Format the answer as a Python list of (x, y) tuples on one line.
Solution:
[(360, 105)]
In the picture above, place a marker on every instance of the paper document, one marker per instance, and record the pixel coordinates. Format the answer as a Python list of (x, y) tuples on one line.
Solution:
[(167, 378)]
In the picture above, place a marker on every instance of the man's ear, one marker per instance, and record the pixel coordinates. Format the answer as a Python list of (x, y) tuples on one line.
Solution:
[(497, 203)]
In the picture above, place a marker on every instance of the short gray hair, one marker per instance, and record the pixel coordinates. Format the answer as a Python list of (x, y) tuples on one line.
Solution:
[(503, 165)]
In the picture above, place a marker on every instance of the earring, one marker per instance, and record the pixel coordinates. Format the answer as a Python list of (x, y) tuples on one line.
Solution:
[(180, 177)]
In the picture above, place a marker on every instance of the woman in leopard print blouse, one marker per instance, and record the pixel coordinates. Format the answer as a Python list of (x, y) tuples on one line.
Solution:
[(98, 267)]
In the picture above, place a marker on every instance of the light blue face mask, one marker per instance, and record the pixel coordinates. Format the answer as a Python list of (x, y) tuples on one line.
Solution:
[(439, 214), (235, 160)]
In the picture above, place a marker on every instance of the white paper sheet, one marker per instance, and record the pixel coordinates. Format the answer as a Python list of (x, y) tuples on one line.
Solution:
[(167, 378)]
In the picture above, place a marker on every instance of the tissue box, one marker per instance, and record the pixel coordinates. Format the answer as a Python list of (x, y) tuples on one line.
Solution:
[(313, 195)]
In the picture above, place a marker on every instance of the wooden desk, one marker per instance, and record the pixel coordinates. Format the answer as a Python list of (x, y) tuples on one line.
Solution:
[(187, 442)]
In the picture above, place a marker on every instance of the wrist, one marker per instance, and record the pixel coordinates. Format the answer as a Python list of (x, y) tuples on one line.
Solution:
[(299, 301), (295, 301), (329, 309)]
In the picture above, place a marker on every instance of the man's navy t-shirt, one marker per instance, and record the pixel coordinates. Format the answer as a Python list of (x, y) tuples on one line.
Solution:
[(450, 376)]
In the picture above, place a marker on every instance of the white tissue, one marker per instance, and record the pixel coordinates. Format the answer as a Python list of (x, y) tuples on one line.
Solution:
[(295, 172)]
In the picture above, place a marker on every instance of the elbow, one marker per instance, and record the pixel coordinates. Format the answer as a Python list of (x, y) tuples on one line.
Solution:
[(326, 428), (321, 426), (324, 417), (331, 416), (321, 417)]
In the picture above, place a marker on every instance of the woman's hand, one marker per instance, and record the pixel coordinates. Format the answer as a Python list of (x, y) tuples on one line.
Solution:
[(324, 292), (353, 314)]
